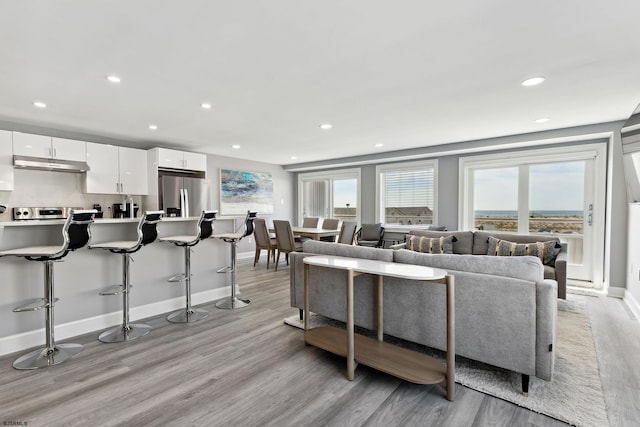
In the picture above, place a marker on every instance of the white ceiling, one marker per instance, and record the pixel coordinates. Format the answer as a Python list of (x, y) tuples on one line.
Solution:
[(402, 73)]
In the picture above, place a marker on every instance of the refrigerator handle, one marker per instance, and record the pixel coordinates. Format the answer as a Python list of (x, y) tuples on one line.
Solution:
[(181, 202), (186, 203)]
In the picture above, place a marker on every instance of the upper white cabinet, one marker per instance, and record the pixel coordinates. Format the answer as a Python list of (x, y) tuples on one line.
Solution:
[(6, 161), (175, 159), (116, 170), (26, 144)]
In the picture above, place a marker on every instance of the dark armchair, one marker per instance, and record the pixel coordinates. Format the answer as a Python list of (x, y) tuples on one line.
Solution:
[(370, 235)]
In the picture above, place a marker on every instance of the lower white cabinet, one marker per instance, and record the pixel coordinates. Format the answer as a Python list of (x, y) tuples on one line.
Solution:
[(116, 170), (6, 161)]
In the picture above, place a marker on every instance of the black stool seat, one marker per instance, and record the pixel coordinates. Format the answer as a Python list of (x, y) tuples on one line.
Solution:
[(232, 301), (75, 234), (204, 229), (147, 233)]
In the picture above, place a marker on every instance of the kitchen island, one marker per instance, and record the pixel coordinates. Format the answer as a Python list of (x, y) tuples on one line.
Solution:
[(84, 273)]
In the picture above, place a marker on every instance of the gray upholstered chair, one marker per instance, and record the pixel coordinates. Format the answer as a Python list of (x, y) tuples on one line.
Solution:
[(310, 222), (330, 224), (263, 241), (285, 240), (347, 232), (370, 235)]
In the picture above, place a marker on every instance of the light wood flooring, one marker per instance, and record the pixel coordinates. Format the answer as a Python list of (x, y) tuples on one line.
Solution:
[(246, 368)]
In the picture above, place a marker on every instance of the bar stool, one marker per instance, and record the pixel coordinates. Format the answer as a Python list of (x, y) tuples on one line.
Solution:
[(147, 233), (76, 234), (233, 239), (204, 231)]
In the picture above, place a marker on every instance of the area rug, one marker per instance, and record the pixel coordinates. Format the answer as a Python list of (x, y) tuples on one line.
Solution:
[(574, 394)]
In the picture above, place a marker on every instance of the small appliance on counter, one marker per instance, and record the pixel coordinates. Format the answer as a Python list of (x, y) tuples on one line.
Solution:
[(2, 209), (20, 214), (122, 210), (173, 212), (98, 208)]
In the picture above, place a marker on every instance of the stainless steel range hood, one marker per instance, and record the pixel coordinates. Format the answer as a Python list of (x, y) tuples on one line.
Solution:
[(38, 163)]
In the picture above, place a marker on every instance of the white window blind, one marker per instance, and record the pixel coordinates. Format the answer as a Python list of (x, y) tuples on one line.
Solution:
[(408, 196)]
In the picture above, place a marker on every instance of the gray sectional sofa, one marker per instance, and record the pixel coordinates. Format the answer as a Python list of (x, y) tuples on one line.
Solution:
[(506, 310), (476, 243)]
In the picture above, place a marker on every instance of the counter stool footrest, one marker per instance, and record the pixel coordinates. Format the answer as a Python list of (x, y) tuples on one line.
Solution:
[(114, 290), (178, 278), (36, 304), (225, 269)]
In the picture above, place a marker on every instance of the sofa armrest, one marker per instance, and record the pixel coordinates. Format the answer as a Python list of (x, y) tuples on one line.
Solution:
[(560, 267), (546, 323), (296, 275)]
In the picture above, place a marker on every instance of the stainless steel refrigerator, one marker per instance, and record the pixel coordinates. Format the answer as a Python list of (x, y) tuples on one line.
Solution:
[(183, 196)]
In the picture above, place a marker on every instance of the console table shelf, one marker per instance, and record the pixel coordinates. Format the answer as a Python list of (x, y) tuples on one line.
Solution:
[(397, 361)]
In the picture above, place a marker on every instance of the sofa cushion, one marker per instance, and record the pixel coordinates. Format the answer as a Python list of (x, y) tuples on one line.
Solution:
[(462, 245), (481, 239), (524, 268), (431, 245), (339, 249), (546, 251)]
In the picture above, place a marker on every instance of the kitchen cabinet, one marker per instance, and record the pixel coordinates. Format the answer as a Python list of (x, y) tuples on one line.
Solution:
[(116, 170), (26, 144), (175, 159), (6, 161)]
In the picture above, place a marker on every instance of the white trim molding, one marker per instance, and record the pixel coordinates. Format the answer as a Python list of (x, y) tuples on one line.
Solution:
[(35, 338), (628, 299)]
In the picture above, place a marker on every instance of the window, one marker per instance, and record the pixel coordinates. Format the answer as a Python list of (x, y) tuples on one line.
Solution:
[(329, 195), (407, 193)]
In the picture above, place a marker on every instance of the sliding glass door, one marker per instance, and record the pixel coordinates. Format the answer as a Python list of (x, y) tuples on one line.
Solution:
[(560, 195)]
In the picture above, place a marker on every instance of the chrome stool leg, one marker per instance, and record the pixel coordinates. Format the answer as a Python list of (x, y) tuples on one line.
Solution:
[(232, 302), (126, 331), (188, 314), (51, 354)]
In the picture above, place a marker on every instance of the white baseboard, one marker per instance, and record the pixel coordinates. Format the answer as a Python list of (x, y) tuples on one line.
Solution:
[(633, 304), (628, 299), (36, 337)]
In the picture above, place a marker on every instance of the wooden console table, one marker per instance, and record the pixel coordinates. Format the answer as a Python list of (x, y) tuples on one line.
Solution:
[(402, 363)]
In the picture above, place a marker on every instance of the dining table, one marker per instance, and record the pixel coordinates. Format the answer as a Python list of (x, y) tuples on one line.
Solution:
[(311, 232)]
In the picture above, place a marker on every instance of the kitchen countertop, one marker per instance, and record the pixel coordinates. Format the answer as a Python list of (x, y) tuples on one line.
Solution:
[(37, 222)]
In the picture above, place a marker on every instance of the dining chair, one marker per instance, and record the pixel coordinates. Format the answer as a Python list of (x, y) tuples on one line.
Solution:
[(347, 232), (310, 222), (263, 241), (330, 224), (285, 240)]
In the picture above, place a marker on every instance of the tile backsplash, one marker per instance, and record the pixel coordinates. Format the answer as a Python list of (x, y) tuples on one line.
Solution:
[(35, 188)]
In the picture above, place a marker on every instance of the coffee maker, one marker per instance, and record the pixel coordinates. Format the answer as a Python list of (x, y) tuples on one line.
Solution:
[(122, 210)]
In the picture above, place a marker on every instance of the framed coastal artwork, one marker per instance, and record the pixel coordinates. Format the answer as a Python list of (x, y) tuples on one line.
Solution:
[(242, 191)]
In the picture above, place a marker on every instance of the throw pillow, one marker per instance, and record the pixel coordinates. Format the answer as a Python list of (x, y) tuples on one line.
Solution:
[(546, 251), (432, 245)]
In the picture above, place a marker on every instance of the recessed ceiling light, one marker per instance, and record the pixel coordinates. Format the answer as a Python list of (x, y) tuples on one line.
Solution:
[(379, 145), (205, 105), (533, 81), (113, 79), (39, 104), (543, 120), (235, 146), (294, 158), (153, 127), (326, 126)]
